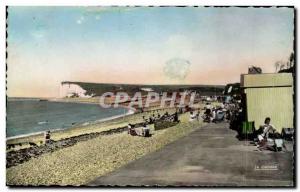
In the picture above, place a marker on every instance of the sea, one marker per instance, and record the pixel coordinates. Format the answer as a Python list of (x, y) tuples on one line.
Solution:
[(32, 116)]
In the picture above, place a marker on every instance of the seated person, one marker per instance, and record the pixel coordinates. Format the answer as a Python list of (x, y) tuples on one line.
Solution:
[(207, 106), (145, 130), (158, 115), (207, 112), (166, 114), (266, 129), (192, 116), (151, 120), (131, 130), (218, 115)]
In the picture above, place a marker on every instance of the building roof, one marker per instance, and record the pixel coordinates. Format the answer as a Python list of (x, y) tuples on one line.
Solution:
[(266, 80)]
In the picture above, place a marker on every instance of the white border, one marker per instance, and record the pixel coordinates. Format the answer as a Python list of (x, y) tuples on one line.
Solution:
[(4, 3)]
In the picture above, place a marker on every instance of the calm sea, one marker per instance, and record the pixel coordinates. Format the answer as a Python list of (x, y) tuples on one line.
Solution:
[(31, 116)]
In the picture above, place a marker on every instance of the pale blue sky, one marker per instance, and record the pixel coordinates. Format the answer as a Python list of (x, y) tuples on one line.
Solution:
[(132, 45)]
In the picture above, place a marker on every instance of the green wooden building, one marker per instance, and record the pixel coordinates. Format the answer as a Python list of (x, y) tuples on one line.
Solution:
[(269, 95)]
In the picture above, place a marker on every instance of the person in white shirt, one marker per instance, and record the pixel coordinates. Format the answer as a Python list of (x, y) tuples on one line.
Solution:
[(213, 114), (146, 130), (222, 106), (192, 116), (266, 128), (208, 106)]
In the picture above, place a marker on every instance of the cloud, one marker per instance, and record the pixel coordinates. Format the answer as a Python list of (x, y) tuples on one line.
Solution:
[(177, 68)]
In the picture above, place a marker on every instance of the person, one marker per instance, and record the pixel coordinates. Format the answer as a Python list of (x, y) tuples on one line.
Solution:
[(207, 109), (192, 116), (175, 117), (222, 105), (146, 130), (180, 110), (151, 120), (131, 130), (208, 105), (158, 115), (47, 137), (213, 114), (266, 129), (198, 115)]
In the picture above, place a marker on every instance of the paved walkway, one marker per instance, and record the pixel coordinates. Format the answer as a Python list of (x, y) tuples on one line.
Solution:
[(209, 156)]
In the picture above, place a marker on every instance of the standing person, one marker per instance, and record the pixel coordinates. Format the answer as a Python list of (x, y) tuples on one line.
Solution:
[(213, 114), (207, 109), (176, 117), (47, 137), (198, 114)]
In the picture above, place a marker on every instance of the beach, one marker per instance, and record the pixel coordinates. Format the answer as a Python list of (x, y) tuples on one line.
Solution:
[(76, 165), (85, 128), (109, 147)]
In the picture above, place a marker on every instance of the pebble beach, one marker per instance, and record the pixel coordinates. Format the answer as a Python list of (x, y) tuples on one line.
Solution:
[(75, 165)]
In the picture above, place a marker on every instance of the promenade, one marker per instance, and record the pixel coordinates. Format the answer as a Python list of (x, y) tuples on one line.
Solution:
[(209, 156)]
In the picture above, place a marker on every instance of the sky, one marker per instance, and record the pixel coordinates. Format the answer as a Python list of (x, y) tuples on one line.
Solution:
[(141, 45)]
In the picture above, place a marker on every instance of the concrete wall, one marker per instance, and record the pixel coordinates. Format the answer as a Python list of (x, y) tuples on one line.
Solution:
[(276, 103), (269, 95)]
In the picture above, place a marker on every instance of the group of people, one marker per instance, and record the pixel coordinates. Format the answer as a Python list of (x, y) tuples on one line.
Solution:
[(215, 114), (145, 130), (152, 118)]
